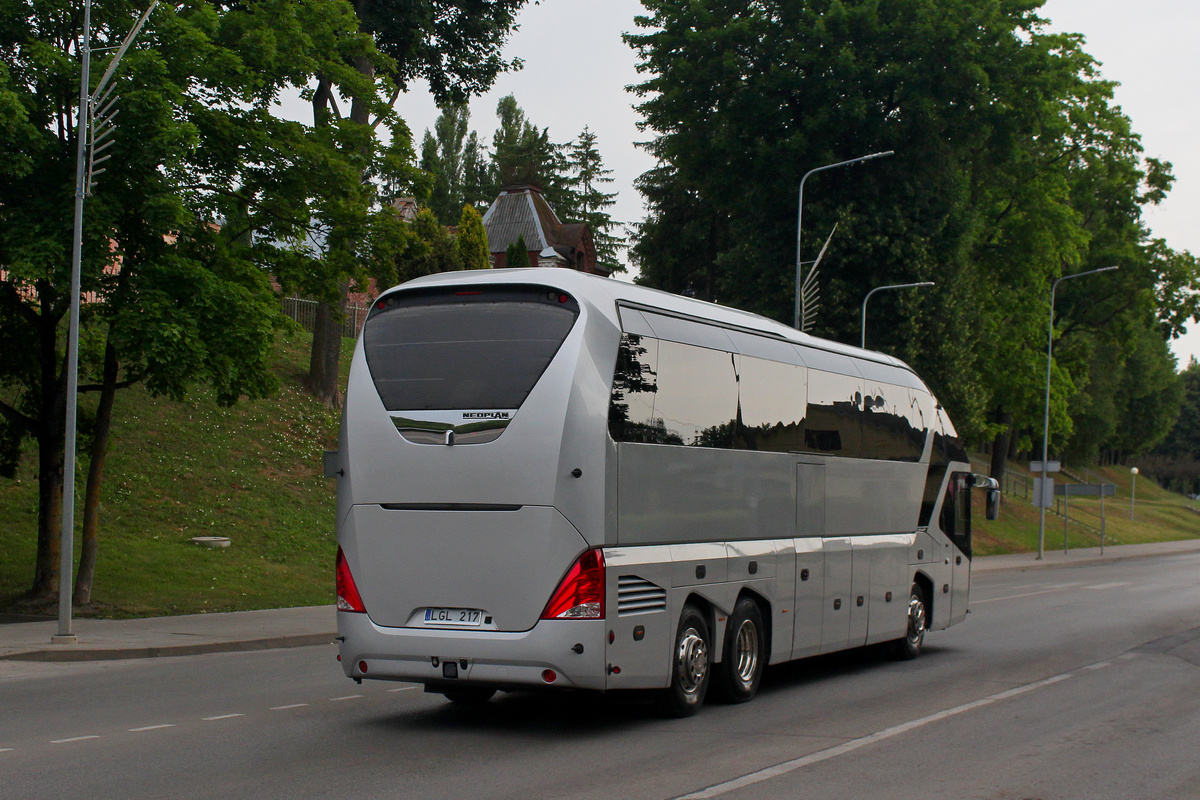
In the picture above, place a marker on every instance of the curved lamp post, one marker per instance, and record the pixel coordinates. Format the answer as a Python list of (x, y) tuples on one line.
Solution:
[(800, 217), (1046, 416), (880, 289)]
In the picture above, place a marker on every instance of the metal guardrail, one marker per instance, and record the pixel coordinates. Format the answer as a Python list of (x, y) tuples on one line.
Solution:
[(304, 311)]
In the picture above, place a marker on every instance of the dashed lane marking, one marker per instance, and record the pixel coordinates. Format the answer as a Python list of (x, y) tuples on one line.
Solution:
[(846, 747), (347, 697), (285, 708), (152, 727), (404, 689), (1099, 665), (1015, 596), (6, 749), (1107, 585), (222, 716), (73, 739)]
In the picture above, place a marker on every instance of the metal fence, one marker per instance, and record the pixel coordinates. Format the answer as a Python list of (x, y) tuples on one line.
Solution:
[(304, 311)]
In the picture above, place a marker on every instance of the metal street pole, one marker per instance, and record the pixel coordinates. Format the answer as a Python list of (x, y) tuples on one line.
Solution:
[(800, 218), (880, 289), (1046, 416), (67, 547)]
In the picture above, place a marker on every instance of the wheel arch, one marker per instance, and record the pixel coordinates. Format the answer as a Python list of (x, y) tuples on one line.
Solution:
[(926, 583)]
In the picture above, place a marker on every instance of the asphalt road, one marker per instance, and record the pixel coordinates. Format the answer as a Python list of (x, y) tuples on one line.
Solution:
[(1079, 682)]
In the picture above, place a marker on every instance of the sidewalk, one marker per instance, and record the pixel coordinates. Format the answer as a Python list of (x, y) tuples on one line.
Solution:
[(108, 639), (105, 639)]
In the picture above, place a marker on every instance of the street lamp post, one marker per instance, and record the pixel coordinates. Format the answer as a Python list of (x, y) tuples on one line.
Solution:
[(880, 289), (1046, 416), (1133, 473), (800, 217)]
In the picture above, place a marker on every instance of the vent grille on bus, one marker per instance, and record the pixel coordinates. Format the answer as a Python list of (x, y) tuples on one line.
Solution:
[(639, 596)]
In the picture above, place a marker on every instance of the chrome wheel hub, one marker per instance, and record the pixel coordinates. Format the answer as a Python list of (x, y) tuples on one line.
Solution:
[(692, 660), (746, 653)]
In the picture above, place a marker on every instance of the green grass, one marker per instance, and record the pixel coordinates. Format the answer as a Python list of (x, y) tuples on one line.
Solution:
[(1159, 516), (251, 472)]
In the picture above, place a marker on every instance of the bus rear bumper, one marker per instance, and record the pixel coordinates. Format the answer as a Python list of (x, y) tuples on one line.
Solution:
[(572, 649)]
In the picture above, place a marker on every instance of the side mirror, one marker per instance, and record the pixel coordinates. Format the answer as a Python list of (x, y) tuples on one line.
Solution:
[(992, 487)]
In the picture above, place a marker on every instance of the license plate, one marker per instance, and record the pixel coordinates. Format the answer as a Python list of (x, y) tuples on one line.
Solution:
[(454, 617)]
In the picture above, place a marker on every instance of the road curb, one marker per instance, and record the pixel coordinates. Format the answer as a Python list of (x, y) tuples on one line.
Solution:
[(66, 653)]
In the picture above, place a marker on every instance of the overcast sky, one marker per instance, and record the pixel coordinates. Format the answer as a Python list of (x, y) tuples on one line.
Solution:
[(577, 68)]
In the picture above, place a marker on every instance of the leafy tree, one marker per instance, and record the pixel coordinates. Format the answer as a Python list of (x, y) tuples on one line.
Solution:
[(522, 153), (431, 250), (517, 254), (175, 298), (1012, 168), (455, 46), (472, 240), (459, 170)]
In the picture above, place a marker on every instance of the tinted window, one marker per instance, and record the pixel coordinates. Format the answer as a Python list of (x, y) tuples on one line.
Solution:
[(892, 424), (833, 422), (696, 401), (635, 381), (464, 349), (772, 399)]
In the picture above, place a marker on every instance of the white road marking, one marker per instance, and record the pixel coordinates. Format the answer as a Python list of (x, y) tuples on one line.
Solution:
[(72, 739), (1099, 665), (1107, 585), (285, 708), (854, 744), (403, 689), (151, 727), (1127, 656), (6, 749), (347, 697), (223, 716), (1015, 596)]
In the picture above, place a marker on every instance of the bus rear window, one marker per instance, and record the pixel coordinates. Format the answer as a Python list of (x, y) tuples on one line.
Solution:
[(464, 348)]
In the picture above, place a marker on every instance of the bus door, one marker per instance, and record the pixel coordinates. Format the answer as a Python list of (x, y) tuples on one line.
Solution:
[(810, 560), (956, 522)]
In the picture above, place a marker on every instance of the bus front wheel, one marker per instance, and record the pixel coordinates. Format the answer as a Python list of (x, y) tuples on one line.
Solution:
[(691, 664), (909, 646)]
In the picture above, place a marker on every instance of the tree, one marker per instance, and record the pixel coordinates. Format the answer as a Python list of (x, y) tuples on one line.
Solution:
[(522, 153), (432, 249), (585, 175), (517, 254), (452, 44), (459, 170), (175, 297), (1012, 168), (472, 240)]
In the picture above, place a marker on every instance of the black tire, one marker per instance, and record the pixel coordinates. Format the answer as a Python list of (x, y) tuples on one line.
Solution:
[(691, 665), (908, 646), (469, 695), (744, 655)]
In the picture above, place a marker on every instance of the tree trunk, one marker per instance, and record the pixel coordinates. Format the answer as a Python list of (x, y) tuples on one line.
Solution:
[(90, 541), (1000, 446), (326, 353), (51, 458)]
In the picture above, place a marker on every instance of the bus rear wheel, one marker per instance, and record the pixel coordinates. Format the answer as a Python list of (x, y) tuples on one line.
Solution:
[(691, 664), (909, 646), (736, 678)]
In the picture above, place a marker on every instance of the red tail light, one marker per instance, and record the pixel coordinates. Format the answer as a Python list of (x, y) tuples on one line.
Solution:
[(580, 595), (348, 598)]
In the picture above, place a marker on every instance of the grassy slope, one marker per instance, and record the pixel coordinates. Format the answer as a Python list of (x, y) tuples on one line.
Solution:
[(253, 473), (1159, 516)]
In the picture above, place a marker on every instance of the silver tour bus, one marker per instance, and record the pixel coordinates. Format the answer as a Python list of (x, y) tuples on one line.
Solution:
[(551, 479)]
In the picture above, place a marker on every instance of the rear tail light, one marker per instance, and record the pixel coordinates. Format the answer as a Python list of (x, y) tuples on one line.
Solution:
[(348, 598), (580, 594)]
